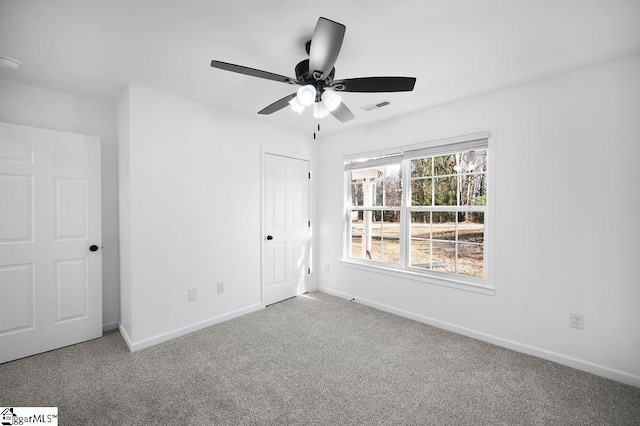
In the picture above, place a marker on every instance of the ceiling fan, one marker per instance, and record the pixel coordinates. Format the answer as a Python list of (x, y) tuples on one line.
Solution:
[(315, 76)]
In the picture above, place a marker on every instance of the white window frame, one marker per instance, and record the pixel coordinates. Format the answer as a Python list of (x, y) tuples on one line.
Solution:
[(403, 155)]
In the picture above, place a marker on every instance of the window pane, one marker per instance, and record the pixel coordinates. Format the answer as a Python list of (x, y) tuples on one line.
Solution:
[(474, 161), (481, 196), (420, 239), (374, 244), (421, 167), (356, 234), (470, 259), (375, 235), (393, 217), (444, 256), (358, 176), (390, 237), (378, 192), (357, 179), (444, 164), (375, 229), (377, 186), (393, 186), (444, 226), (374, 173), (421, 192), (422, 218), (445, 191), (356, 194), (473, 190), (471, 227)]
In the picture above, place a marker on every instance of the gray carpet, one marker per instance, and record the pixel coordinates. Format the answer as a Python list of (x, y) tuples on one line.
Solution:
[(313, 360)]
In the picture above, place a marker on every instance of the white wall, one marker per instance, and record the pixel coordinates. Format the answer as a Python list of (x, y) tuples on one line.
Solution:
[(567, 226), (32, 106), (124, 222), (191, 182)]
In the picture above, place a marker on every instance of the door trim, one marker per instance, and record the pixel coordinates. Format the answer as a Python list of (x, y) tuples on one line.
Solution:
[(263, 224)]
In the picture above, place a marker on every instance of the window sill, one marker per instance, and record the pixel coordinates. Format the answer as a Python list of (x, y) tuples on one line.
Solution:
[(417, 276)]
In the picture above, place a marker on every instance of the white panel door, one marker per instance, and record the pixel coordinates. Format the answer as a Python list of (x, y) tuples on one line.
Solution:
[(50, 279), (286, 239)]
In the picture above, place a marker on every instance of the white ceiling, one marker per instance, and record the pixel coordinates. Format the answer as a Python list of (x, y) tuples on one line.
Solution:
[(455, 48)]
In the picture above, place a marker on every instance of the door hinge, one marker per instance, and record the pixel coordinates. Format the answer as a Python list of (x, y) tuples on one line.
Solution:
[(309, 271), (309, 175), (309, 224)]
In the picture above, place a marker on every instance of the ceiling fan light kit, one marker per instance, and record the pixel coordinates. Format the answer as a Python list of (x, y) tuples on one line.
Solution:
[(315, 76), (307, 95), (320, 110), (296, 105), (331, 99)]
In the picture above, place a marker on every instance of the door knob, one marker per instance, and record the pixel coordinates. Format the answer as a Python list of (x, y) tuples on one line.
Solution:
[(269, 237), (93, 248)]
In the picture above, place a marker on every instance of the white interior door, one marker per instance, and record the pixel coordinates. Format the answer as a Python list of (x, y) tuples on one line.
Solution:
[(287, 225), (50, 280)]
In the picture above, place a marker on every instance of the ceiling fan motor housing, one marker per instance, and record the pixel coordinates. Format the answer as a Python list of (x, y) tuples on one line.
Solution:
[(305, 77)]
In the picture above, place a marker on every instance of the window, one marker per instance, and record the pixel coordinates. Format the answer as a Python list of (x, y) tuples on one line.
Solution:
[(376, 194), (422, 209)]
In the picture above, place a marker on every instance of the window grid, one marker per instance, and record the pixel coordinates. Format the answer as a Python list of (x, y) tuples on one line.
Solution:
[(458, 234)]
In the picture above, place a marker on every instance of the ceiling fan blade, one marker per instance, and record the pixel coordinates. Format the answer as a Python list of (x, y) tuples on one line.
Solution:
[(342, 113), (375, 84), (325, 47), (253, 72), (277, 105)]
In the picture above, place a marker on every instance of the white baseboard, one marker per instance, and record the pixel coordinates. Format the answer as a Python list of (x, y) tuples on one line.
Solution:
[(151, 341), (579, 364), (125, 336), (110, 326)]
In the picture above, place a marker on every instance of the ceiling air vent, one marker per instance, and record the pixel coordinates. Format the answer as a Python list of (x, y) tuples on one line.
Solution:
[(375, 106)]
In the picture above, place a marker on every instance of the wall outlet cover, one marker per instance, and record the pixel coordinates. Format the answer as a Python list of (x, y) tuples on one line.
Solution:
[(576, 321), (193, 294)]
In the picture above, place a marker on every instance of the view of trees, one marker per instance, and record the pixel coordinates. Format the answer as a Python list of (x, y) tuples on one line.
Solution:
[(451, 241), (385, 189), (457, 179)]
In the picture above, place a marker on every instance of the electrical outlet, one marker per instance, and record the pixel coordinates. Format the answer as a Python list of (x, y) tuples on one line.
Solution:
[(220, 288), (326, 268), (193, 294), (576, 321)]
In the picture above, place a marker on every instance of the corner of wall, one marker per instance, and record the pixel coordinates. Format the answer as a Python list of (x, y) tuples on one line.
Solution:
[(123, 115)]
